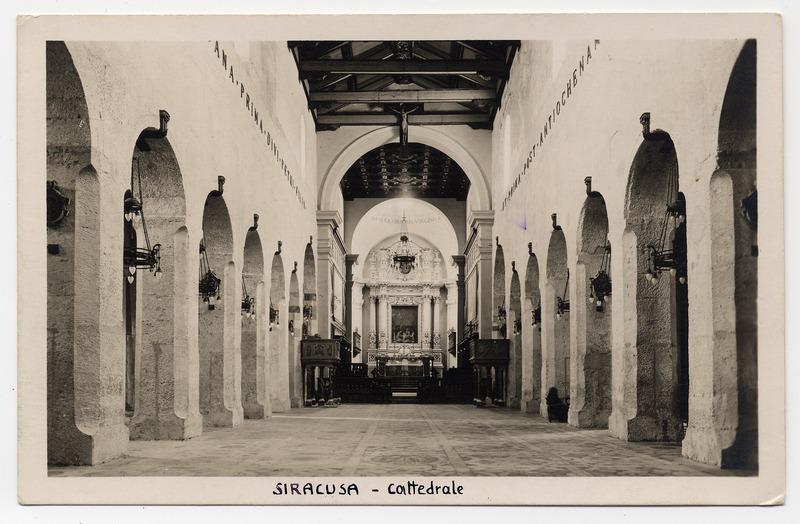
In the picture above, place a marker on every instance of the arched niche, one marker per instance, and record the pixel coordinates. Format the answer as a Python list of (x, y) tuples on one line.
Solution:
[(532, 339), (220, 384), (293, 346), (255, 396), (556, 318), (734, 274), (656, 311), (278, 337), (591, 396), (499, 312), (514, 330)]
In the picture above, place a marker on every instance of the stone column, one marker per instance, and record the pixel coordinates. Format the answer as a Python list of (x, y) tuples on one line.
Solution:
[(329, 246), (349, 261), (479, 249), (436, 323), (451, 319), (425, 332), (460, 298), (386, 321), (373, 320), (357, 319)]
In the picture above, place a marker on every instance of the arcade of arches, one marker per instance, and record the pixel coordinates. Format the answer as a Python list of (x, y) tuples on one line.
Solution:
[(448, 249)]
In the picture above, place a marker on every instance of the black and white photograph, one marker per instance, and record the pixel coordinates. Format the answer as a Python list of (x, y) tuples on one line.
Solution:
[(399, 268)]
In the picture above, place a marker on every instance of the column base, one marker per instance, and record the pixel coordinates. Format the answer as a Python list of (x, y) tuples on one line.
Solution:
[(281, 405), (224, 418), (69, 446), (530, 406), (587, 417), (255, 411), (166, 427), (643, 428)]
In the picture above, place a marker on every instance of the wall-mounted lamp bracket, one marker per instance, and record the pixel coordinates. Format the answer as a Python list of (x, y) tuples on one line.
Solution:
[(554, 218)]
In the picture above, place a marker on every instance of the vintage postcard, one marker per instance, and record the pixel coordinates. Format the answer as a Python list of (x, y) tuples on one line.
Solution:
[(401, 259)]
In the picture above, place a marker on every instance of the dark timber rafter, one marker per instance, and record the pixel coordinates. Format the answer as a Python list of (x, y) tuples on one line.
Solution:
[(375, 82)]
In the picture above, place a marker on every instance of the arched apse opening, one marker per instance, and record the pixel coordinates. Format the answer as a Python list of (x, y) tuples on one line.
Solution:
[(278, 337), (734, 270), (82, 428), (293, 345), (656, 309), (591, 392), (330, 196), (532, 338), (255, 395), (309, 292), (515, 344), (499, 313), (556, 318), (220, 384)]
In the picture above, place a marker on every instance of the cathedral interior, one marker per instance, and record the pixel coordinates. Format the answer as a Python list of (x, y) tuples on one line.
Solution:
[(424, 257)]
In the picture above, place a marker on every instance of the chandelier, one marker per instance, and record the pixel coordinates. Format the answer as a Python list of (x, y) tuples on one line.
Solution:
[(501, 320), (562, 302), (536, 316), (403, 253), (148, 257), (248, 302), (600, 284), (209, 282), (274, 317), (660, 258)]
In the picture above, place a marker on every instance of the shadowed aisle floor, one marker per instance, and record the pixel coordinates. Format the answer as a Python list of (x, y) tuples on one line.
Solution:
[(399, 439)]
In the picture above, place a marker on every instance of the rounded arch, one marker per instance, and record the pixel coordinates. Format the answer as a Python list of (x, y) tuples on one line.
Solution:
[(428, 215), (253, 343), (658, 313), (293, 346), (156, 177), (309, 291), (499, 313), (557, 317), (532, 337), (734, 270), (278, 336), (591, 403), (388, 213), (74, 364), (330, 193), (515, 332), (220, 386)]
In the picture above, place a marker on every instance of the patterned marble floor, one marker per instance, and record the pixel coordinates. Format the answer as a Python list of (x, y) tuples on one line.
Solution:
[(399, 439)]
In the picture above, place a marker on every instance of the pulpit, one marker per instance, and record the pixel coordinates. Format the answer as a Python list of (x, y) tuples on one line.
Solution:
[(489, 361), (320, 359)]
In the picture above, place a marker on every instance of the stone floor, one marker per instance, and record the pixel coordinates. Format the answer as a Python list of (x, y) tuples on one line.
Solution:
[(399, 439)]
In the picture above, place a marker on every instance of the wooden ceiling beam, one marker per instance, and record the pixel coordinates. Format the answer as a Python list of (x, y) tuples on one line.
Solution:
[(404, 67), (386, 119), (403, 96)]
